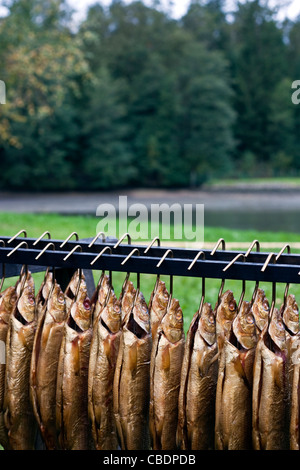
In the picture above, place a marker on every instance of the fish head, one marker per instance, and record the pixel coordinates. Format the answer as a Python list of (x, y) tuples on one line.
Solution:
[(8, 299), (172, 322), (57, 303), (261, 309), (228, 306), (277, 330), (244, 327), (77, 279), (111, 313), (24, 280), (290, 314), (160, 299), (104, 290), (26, 304), (81, 309), (140, 312), (207, 324), (127, 300)]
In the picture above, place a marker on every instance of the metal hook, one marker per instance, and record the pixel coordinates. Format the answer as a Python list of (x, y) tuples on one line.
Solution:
[(122, 238), (45, 249), (72, 251), (67, 239), (17, 247), (240, 255), (17, 234), (137, 274), (171, 275), (151, 243), (255, 242), (286, 290), (219, 242), (40, 238), (196, 258), (269, 257), (101, 253), (96, 238)]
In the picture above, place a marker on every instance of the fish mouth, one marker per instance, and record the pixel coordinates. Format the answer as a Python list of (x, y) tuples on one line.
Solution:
[(135, 328)]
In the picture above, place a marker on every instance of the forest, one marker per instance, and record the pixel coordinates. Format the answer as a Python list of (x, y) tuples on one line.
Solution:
[(131, 97)]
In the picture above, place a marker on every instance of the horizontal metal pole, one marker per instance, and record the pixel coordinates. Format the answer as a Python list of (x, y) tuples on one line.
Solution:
[(208, 268)]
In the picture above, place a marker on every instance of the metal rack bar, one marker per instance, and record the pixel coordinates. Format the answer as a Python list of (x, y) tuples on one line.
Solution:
[(284, 270)]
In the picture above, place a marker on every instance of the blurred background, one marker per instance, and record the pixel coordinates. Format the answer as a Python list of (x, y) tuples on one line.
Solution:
[(184, 101)]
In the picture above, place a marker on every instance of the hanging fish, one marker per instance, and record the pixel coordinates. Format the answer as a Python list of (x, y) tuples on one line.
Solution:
[(103, 356), (290, 316), (131, 386), (100, 296), (260, 309), (165, 372), (233, 427), (269, 419), (42, 295), (226, 313), (19, 418), (158, 306), (127, 298), (72, 377), (8, 299), (196, 405), (44, 363)]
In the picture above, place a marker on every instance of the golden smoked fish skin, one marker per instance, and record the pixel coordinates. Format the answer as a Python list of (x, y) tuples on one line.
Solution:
[(260, 309), (196, 413), (165, 374), (105, 342), (233, 428), (158, 306), (269, 419), (226, 313), (8, 300), (290, 316), (44, 363), (72, 378), (131, 388), (19, 418)]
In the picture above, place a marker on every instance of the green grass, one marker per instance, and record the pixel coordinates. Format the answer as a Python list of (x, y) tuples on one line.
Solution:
[(274, 180), (186, 289)]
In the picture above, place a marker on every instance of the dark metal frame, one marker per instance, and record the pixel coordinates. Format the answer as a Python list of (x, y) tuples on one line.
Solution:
[(217, 264)]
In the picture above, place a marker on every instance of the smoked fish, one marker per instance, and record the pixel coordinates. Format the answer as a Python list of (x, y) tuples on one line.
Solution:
[(226, 313), (196, 405), (158, 306), (44, 363), (72, 377), (290, 316), (165, 374), (131, 387), (260, 309), (233, 426), (19, 417), (105, 347), (269, 405), (8, 299)]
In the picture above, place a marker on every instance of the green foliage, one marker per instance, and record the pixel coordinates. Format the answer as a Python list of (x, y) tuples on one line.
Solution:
[(135, 98)]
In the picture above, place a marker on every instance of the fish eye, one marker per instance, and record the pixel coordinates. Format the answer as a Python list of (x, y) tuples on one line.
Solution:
[(232, 306), (266, 305), (61, 298), (250, 319), (87, 304)]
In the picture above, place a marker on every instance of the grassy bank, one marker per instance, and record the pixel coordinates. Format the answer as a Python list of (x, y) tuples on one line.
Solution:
[(187, 290)]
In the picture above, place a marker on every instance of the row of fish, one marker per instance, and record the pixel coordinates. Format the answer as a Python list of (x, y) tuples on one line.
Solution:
[(112, 373)]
